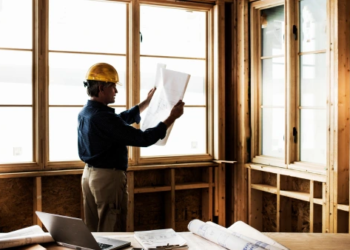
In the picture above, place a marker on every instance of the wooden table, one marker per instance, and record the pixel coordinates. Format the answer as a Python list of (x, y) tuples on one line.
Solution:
[(294, 241)]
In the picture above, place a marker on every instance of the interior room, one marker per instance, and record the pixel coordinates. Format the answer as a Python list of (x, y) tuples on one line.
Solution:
[(228, 158)]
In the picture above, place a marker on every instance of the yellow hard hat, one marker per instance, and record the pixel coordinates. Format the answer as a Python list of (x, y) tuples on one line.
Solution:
[(102, 72)]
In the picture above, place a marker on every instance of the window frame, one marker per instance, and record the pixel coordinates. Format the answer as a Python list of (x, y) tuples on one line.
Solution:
[(292, 83), (214, 78)]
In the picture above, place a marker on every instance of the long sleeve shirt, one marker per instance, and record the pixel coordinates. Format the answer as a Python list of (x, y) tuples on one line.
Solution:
[(103, 135)]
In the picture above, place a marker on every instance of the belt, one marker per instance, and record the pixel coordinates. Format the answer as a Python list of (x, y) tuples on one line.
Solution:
[(90, 166)]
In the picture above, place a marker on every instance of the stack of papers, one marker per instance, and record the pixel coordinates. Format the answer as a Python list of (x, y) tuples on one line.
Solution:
[(25, 236), (158, 239)]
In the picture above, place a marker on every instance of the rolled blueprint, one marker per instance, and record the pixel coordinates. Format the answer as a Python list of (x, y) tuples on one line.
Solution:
[(220, 237), (254, 240)]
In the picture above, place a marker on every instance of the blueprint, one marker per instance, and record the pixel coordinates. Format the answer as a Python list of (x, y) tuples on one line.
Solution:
[(171, 86)]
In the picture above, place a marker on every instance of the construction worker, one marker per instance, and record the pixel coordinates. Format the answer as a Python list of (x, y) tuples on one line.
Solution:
[(103, 137)]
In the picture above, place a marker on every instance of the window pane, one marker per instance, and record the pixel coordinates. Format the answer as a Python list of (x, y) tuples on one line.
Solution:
[(63, 134), (15, 74), (94, 26), (195, 91), (16, 24), (16, 138), (273, 132), (313, 136), (273, 82), (313, 25), (174, 32), (313, 80), (188, 136), (67, 73), (272, 31)]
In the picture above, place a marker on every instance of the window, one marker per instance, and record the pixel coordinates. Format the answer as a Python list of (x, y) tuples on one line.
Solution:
[(47, 47), (179, 42), (16, 83), (289, 100), (81, 33)]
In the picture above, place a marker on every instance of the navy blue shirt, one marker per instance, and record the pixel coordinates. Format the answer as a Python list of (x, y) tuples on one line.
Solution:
[(103, 135)]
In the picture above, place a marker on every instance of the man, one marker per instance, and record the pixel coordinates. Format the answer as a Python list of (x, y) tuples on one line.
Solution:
[(103, 137)]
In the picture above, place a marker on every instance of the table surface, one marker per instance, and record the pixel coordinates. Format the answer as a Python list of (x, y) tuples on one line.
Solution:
[(293, 241)]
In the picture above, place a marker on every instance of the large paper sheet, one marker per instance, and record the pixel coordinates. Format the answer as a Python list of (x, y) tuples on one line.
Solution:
[(229, 239), (25, 236), (171, 88)]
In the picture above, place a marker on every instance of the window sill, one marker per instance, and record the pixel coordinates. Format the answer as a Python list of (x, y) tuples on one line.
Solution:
[(303, 174)]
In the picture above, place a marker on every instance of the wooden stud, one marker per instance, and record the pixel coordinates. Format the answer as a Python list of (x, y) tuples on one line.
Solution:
[(170, 202), (37, 200), (131, 202), (312, 206)]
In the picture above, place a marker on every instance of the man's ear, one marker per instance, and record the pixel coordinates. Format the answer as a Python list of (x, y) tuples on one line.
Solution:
[(100, 87)]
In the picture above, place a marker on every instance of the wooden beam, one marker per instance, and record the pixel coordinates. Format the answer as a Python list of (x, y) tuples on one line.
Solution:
[(37, 200)]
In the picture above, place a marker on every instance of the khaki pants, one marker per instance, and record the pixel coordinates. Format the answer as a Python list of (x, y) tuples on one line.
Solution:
[(105, 198)]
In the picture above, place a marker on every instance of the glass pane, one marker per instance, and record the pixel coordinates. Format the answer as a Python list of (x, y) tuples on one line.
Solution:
[(63, 134), (313, 80), (16, 135), (195, 91), (64, 145), (172, 32), (273, 81), (313, 136), (313, 25), (273, 132), (93, 26), (188, 136), (15, 75), (67, 73), (16, 24), (272, 31)]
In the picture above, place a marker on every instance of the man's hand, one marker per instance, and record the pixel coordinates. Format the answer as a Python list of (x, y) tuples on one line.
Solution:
[(175, 113), (178, 109), (143, 105), (150, 95)]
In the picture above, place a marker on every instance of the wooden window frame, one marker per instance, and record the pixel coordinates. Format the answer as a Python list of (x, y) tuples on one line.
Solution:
[(292, 83), (214, 94)]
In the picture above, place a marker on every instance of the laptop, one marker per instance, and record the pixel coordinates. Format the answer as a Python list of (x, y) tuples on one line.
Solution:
[(73, 233)]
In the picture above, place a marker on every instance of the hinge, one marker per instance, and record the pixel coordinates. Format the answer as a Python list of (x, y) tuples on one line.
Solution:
[(295, 134), (295, 32)]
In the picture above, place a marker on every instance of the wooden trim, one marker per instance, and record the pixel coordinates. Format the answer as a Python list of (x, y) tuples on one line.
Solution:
[(177, 4), (16, 49), (267, 4), (133, 63), (86, 53), (169, 166), (173, 159), (37, 200), (173, 57), (131, 202), (40, 173), (311, 204), (291, 81), (288, 172), (278, 205), (243, 113), (312, 52)]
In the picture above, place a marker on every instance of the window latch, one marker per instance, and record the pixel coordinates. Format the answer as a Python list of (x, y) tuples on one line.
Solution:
[(295, 133), (140, 37), (295, 32)]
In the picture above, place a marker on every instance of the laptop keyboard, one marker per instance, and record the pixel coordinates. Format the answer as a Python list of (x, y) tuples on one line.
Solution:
[(103, 246)]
